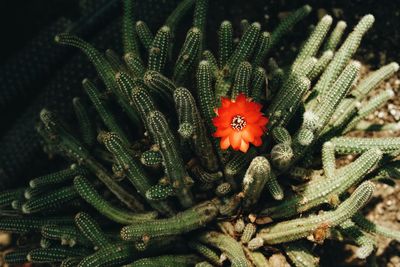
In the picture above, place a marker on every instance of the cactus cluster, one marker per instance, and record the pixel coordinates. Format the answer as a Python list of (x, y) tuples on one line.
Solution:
[(148, 184)]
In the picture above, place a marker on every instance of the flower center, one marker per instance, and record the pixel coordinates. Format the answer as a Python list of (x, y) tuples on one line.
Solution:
[(238, 123)]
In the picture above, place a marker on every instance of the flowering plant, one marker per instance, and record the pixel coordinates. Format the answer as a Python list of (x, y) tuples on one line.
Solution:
[(239, 122)]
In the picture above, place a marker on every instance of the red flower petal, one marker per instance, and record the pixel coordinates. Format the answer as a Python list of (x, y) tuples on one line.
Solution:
[(247, 135), (221, 132), (244, 146), (235, 139), (239, 123), (225, 142)]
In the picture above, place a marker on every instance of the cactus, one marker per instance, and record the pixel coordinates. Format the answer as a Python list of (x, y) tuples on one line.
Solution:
[(157, 187)]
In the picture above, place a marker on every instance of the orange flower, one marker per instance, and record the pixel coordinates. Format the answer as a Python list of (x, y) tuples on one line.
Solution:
[(239, 122)]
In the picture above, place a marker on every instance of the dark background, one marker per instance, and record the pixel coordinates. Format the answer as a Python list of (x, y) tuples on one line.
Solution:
[(20, 20)]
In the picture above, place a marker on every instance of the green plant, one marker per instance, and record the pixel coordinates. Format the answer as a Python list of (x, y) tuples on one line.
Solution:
[(158, 184)]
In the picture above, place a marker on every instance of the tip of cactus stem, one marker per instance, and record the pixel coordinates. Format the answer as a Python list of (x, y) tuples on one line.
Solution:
[(368, 20), (356, 64), (25, 209), (266, 34), (328, 144), (278, 196), (255, 243), (139, 22), (314, 60), (118, 75), (378, 152), (128, 56), (204, 62), (305, 137), (57, 38), (261, 164), (195, 30), (15, 204), (311, 121), (369, 17), (329, 53), (32, 184), (342, 24), (307, 8), (78, 215), (256, 25), (327, 19), (165, 28), (29, 257), (395, 66), (84, 81), (370, 186), (225, 23), (186, 130), (27, 195)]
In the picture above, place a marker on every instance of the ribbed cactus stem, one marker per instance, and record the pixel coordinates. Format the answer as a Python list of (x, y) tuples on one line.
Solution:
[(259, 85), (287, 24), (335, 36), (51, 200), (86, 125), (365, 242), (90, 228), (374, 79), (134, 65), (373, 228), (245, 46), (248, 232), (300, 254), (129, 34), (75, 150), (132, 168), (151, 158), (206, 252), (372, 105), (166, 260), (54, 254), (91, 196), (320, 65), (225, 42), (299, 228), (191, 219), (342, 56), (257, 174), (102, 109), (173, 162), (226, 244), (145, 35), (179, 12), (356, 145), (262, 49), (188, 56), (68, 235), (241, 82), (315, 40), (103, 67), (319, 191), (328, 159), (110, 255), (159, 49)]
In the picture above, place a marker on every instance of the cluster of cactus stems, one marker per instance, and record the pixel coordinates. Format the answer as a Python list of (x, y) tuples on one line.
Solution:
[(148, 185)]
